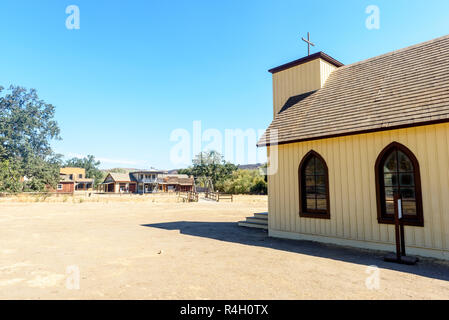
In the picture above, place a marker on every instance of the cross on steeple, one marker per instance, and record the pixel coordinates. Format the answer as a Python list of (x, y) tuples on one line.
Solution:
[(309, 43)]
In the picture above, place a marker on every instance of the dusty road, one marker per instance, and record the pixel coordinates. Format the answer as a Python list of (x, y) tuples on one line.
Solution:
[(167, 250)]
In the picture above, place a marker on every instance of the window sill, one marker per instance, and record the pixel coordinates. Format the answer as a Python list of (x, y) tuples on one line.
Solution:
[(407, 222), (325, 216)]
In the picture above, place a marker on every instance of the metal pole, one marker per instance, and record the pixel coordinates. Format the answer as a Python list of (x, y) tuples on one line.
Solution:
[(396, 227), (308, 47)]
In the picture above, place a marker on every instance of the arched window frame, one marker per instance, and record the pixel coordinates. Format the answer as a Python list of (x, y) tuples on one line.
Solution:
[(382, 217), (302, 204)]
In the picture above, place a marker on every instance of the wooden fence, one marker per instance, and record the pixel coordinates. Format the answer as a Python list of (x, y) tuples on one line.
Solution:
[(225, 196), (188, 196), (48, 194), (217, 196)]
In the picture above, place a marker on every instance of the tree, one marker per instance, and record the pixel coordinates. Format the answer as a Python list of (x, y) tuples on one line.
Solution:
[(244, 182), (210, 164), (27, 127), (90, 165), (41, 174), (10, 177)]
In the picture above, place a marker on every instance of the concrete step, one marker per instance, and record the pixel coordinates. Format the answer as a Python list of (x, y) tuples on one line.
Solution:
[(261, 215), (257, 220), (253, 225)]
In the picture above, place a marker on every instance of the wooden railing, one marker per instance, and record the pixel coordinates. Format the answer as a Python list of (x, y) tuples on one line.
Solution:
[(225, 196), (189, 196), (217, 196), (211, 195)]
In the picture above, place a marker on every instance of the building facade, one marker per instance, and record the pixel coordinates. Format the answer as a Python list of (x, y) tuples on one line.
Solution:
[(176, 183), (143, 182), (119, 183), (147, 181), (339, 153), (73, 179)]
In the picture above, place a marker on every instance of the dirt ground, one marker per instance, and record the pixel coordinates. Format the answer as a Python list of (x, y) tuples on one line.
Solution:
[(156, 248)]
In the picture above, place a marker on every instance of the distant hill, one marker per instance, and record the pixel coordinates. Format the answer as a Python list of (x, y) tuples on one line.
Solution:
[(120, 170), (175, 171), (242, 167), (250, 166)]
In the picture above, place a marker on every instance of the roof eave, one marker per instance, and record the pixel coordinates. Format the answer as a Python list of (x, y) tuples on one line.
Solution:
[(353, 133), (318, 55)]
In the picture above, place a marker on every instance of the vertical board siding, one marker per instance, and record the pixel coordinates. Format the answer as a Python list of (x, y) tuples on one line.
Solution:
[(326, 70), (352, 187), (443, 158), (304, 78), (291, 82)]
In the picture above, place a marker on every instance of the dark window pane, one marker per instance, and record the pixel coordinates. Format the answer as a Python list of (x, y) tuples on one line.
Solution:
[(389, 207), (310, 167), (311, 204), (409, 208), (310, 190), (391, 163), (389, 193), (407, 179), (405, 165), (321, 190), (390, 180), (319, 167), (314, 180), (398, 176), (321, 181), (310, 181), (408, 193)]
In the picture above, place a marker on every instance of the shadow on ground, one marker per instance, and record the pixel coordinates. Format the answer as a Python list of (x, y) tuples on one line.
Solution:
[(231, 232)]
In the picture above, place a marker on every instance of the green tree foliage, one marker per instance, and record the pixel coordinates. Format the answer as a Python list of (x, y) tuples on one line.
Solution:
[(244, 182), (42, 174), (90, 165), (10, 178), (226, 176), (27, 127), (210, 164), (187, 171)]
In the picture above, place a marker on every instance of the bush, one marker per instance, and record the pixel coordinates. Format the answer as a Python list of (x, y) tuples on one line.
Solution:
[(260, 187), (244, 182)]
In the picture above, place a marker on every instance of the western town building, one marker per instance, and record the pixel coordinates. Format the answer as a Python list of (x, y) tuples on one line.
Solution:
[(119, 183), (73, 179), (143, 182), (345, 139)]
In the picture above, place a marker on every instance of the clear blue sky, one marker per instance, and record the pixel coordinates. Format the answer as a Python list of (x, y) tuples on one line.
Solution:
[(136, 70)]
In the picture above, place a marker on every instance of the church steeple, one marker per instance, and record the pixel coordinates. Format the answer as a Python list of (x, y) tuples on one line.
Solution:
[(301, 76)]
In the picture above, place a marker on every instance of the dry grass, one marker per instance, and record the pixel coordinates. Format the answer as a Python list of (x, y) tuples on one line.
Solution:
[(111, 198)]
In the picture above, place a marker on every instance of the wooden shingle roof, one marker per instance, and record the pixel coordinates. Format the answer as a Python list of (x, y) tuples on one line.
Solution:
[(408, 87), (121, 177)]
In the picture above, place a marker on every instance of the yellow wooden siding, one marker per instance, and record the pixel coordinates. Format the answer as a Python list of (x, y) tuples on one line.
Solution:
[(352, 188), (294, 81), (325, 70), (74, 171), (304, 78)]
